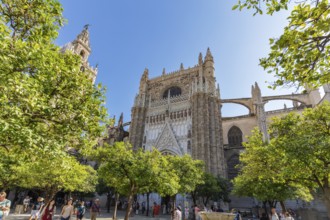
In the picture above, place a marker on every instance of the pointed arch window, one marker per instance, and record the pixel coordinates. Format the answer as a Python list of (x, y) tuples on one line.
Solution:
[(235, 137), (173, 91)]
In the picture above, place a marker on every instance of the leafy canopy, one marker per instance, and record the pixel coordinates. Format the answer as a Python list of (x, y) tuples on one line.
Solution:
[(215, 188), (131, 172), (295, 162), (300, 55), (47, 105), (189, 170), (260, 174)]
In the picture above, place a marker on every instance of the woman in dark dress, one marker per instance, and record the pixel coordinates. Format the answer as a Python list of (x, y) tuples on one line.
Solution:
[(49, 210)]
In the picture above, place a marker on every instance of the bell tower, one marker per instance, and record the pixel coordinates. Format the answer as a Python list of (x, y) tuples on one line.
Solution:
[(81, 46)]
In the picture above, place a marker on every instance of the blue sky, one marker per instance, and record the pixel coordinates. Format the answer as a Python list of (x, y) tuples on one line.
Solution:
[(130, 35)]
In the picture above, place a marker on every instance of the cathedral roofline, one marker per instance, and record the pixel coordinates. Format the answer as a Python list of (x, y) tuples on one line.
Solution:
[(176, 72)]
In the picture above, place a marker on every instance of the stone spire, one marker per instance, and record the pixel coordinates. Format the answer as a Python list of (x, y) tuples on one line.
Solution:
[(208, 56), (218, 91), (143, 81), (259, 110), (121, 120), (145, 75), (164, 72), (181, 67), (200, 59)]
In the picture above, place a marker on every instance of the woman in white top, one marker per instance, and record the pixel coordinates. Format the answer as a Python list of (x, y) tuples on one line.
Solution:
[(67, 210)]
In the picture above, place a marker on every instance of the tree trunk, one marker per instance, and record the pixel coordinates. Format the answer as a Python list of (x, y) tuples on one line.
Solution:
[(147, 211), (264, 203), (326, 200), (116, 205), (283, 207), (173, 206), (272, 204), (205, 201), (129, 206), (49, 194), (109, 195), (193, 196)]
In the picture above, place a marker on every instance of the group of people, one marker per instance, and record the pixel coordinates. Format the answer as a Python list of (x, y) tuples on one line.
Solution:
[(46, 212), (274, 216), (42, 211)]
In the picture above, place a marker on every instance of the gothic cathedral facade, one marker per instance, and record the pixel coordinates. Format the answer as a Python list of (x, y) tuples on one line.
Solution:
[(179, 113)]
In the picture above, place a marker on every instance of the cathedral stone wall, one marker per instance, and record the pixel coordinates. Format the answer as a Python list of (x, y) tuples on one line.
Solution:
[(181, 114)]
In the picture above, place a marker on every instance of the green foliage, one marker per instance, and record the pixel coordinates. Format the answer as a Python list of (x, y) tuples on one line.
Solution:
[(304, 142), (300, 55), (131, 172), (37, 20), (46, 101), (259, 176), (47, 105), (189, 170), (257, 5), (210, 189), (53, 172), (294, 164)]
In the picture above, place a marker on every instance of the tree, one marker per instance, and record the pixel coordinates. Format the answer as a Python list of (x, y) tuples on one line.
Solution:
[(225, 189), (304, 143), (210, 189), (46, 99), (190, 172), (294, 163), (131, 172), (259, 174), (47, 105), (51, 173), (300, 55)]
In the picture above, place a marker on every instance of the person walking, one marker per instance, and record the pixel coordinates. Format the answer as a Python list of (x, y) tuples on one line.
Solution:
[(49, 210), (95, 209), (37, 208), (81, 209), (67, 210), (4, 205), (26, 203), (237, 215), (274, 215), (177, 213)]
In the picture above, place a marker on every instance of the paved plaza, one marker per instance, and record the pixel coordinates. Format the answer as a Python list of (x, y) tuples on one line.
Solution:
[(103, 216)]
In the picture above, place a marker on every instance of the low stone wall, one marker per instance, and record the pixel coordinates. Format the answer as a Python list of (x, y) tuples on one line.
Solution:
[(216, 216)]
